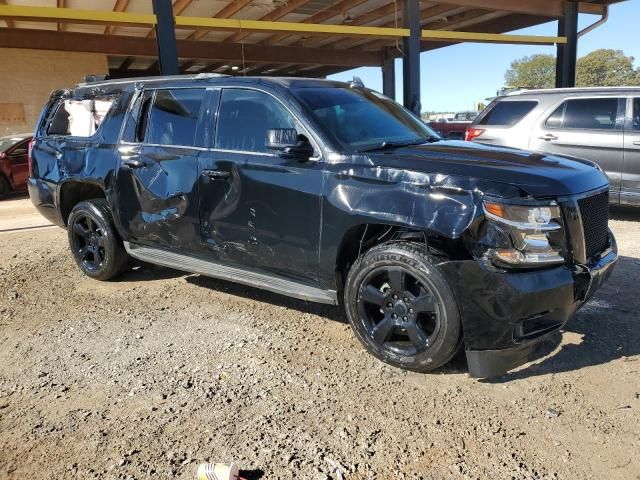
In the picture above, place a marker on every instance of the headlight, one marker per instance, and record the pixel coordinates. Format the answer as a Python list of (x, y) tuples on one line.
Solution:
[(536, 233)]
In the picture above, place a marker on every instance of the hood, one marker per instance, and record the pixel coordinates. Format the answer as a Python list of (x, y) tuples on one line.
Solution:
[(538, 174)]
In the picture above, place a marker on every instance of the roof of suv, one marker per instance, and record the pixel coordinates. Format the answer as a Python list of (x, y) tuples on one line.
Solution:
[(593, 90), (204, 77)]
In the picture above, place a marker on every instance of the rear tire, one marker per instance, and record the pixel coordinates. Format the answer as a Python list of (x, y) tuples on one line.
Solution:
[(402, 308), (94, 242), (5, 186)]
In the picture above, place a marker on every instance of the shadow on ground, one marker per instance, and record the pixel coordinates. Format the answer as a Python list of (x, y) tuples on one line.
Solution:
[(141, 272), (251, 474), (607, 323), (625, 213), (328, 311), (14, 195)]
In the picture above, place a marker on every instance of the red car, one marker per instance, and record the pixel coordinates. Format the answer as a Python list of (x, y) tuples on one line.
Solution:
[(14, 163)]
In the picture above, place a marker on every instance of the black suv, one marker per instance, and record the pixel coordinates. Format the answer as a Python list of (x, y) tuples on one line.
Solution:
[(333, 193)]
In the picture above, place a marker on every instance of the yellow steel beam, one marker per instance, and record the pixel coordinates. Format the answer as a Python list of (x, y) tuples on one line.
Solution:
[(292, 27), (74, 15), (439, 35)]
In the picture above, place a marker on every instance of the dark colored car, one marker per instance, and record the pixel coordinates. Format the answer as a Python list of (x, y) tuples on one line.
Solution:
[(14, 157), (333, 193)]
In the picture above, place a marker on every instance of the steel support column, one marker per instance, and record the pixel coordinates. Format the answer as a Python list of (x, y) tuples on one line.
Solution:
[(166, 37), (411, 56), (568, 52), (389, 77)]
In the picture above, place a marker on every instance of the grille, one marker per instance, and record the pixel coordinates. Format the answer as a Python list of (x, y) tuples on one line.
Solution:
[(595, 218)]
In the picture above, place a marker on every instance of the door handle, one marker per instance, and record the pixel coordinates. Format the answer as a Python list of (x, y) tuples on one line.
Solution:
[(636, 143), (216, 174), (548, 137), (133, 162)]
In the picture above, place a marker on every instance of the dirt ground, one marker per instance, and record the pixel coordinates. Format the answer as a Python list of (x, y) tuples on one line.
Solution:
[(150, 375)]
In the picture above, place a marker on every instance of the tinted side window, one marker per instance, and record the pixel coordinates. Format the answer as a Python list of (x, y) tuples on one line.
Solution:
[(244, 118), (21, 149), (508, 113), (555, 120), (635, 119), (587, 114), (174, 117)]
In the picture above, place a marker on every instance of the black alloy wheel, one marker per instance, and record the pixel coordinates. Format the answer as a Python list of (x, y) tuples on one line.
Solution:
[(94, 241), (402, 308), (401, 313), (88, 242)]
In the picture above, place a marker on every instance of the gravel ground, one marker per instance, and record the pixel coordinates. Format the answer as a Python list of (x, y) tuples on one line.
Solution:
[(150, 375)]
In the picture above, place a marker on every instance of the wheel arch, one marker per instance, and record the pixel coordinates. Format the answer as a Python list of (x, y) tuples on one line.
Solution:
[(73, 192), (360, 238)]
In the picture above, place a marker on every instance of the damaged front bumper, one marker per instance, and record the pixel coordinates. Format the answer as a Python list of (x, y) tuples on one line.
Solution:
[(505, 315)]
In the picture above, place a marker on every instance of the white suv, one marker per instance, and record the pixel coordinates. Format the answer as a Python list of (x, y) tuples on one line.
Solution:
[(597, 124)]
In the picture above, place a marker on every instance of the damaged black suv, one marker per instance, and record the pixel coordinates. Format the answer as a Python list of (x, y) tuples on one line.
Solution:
[(333, 193)]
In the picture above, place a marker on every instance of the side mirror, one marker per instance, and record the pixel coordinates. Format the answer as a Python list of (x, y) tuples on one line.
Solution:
[(289, 143)]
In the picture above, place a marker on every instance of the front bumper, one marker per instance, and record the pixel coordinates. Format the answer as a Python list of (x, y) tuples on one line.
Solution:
[(505, 315)]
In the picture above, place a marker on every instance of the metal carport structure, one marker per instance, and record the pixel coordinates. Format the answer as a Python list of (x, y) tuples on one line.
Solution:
[(278, 37)]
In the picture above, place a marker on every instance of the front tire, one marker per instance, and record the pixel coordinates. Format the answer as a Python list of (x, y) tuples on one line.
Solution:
[(94, 242), (402, 308), (5, 186)]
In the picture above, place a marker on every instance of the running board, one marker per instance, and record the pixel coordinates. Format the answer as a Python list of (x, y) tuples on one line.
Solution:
[(179, 261)]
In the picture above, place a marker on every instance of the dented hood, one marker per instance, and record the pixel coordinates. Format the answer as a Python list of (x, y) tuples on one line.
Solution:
[(538, 174)]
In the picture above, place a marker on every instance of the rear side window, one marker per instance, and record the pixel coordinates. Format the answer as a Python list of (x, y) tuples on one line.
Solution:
[(585, 114), (79, 118), (508, 113), (173, 119)]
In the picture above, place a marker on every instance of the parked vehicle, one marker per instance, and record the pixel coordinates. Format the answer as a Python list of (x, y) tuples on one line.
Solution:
[(465, 116), (14, 170), (454, 129), (333, 193), (597, 124), (450, 130)]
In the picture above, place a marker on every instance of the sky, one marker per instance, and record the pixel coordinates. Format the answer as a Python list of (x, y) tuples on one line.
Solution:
[(455, 78)]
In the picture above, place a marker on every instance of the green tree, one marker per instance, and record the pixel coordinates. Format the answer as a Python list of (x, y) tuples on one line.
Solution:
[(535, 71), (606, 68), (600, 68)]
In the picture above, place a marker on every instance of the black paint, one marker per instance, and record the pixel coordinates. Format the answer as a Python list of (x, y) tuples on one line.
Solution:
[(302, 220)]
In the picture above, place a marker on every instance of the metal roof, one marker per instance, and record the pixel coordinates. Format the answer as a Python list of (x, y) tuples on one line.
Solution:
[(130, 47)]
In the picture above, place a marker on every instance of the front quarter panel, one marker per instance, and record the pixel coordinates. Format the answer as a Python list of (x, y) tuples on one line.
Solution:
[(439, 205)]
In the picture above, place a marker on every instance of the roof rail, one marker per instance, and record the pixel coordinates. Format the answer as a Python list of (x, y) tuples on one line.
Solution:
[(94, 80), (91, 78)]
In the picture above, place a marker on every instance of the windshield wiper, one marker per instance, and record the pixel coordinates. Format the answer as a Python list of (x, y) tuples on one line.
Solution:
[(390, 145)]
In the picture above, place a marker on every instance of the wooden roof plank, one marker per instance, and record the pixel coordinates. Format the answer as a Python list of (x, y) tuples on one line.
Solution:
[(119, 6), (188, 49)]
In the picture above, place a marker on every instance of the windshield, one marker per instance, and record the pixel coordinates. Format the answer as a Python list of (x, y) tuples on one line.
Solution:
[(361, 119)]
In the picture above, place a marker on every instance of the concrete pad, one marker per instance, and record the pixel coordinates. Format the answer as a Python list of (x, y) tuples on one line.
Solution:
[(20, 214)]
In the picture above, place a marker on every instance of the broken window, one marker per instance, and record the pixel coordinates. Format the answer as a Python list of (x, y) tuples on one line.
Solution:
[(79, 118)]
